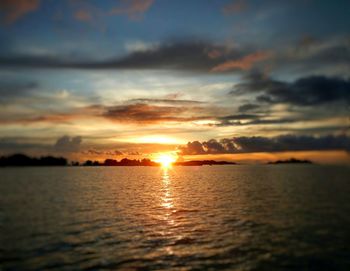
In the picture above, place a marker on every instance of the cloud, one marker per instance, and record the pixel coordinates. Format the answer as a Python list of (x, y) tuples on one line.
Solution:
[(12, 10), (239, 117), (10, 146), (183, 56), (247, 120), (68, 144), (54, 118), (306, 91), (193, 148), (139, 46), (248, 107), (83, 15), (134, 9), (86, 12), (266, 144), (245, 63), (235, 6), (13, 89), (331, 56), (167, 101), (102, 152), (146, 113)]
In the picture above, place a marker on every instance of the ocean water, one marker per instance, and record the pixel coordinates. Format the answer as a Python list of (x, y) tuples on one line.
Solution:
[(278, 217)]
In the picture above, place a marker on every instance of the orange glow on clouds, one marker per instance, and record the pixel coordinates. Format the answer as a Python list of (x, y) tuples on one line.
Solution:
[(156, 140)]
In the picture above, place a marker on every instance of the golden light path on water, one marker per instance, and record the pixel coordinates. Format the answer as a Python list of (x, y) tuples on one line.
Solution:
[(167, 200), (175, 218)]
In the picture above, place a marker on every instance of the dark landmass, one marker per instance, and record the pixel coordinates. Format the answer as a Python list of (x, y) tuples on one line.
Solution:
[(24, 160), (148, 162), (203, 162), (124, 162), (290, 161)]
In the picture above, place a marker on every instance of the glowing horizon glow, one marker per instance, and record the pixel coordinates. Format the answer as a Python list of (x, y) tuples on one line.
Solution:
[(154, 139), (165, 159)]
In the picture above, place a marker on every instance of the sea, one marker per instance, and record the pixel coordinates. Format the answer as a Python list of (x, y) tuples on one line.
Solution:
[(236, 217)]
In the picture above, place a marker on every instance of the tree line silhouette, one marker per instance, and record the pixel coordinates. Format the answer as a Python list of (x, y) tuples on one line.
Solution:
[(24, 160)]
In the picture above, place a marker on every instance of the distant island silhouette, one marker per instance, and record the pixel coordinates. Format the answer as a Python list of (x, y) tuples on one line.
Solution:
[(203, 162), (148, 162), (290, 161), (24, 160)]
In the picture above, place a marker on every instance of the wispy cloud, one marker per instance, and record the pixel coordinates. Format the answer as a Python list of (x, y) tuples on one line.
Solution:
[(192, 56), (10, 90), (167, 101), (244, 63), (12, 10), (148, 113), (134, 9), (83, 15), (235, 6)]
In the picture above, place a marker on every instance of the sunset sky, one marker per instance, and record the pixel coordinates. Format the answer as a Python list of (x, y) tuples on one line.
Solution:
[(244, 80)]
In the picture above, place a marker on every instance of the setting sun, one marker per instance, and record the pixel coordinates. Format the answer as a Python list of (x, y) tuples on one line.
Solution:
[(165, 159)]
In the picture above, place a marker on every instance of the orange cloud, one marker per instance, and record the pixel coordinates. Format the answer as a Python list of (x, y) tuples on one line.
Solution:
[(15, 9), (213, 54), (59, 118), (83, 15), (244, 63), (133, 8), (234, 7)]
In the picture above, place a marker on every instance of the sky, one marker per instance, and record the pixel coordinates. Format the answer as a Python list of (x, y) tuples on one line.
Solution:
[(241, 80)]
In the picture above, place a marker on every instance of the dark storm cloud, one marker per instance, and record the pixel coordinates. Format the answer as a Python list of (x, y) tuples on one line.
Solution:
[(185, 55), (266, 144), (306, 91)]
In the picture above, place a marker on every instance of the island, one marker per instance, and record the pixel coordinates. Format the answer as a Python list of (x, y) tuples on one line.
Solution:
[(290, 161), (22, 160)]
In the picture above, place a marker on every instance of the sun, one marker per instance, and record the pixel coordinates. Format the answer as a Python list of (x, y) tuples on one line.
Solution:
[(165, 159)]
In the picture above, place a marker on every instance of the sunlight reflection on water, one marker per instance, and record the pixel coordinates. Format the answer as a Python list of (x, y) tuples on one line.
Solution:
[(224, 217), (167, 201)]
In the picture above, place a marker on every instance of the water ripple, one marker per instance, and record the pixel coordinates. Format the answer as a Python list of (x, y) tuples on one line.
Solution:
[(208, 218)]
